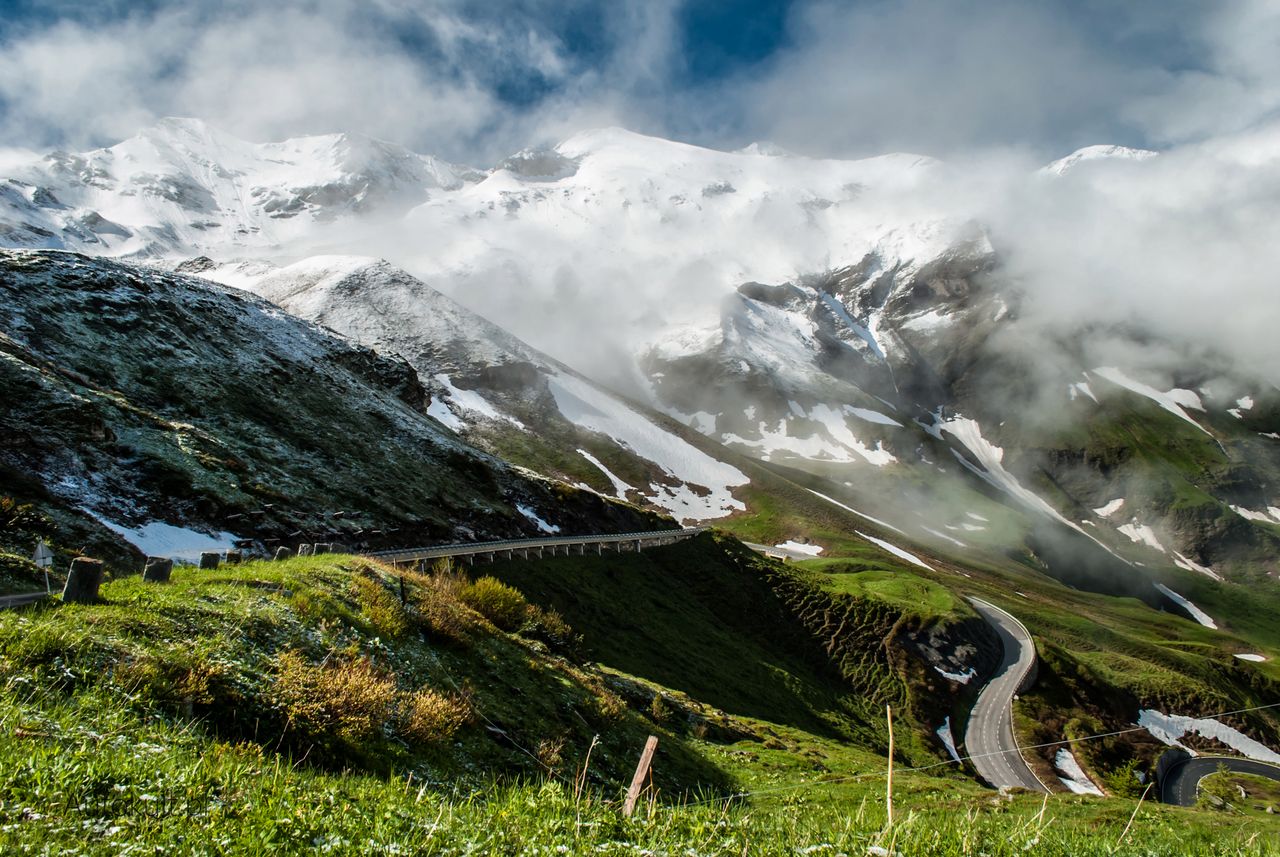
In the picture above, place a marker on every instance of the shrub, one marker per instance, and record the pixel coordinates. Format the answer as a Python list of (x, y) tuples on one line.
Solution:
[(383, 609), (435, 600), (428, 716), (349, 700), (502, 605), (551, 628)]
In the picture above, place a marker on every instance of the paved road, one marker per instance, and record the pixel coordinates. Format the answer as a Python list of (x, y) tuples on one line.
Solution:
[(1181, 784), (779, 553), (989, 735), (510, 547), (8, 601)]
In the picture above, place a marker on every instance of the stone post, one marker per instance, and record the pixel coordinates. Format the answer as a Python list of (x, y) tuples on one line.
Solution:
[(83, 581), (283, 552), (319, 548), (157, 570), (304, 550), (233, 557), (209, 560)]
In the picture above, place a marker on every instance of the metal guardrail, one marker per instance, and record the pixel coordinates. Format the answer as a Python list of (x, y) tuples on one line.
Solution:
[(470, 550)]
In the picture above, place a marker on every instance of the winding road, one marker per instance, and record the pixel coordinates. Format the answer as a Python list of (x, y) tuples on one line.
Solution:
[(1181, 783), (989, 738)]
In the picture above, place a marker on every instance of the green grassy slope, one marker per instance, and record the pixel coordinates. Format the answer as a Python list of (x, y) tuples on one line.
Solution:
[(168, 719)]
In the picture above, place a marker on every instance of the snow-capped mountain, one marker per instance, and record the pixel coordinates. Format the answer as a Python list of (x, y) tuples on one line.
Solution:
[(183, 185), (824, 315), (1094, 154)]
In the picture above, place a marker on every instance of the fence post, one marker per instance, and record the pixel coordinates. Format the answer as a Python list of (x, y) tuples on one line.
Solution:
[(642, 770)]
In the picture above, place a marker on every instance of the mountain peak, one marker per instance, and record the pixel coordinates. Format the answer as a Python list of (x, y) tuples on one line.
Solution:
[(765, 148), (1097, 153)]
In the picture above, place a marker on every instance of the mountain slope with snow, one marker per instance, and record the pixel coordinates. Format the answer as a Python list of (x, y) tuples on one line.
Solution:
[(495, 390), (182, 185), (155, 406)]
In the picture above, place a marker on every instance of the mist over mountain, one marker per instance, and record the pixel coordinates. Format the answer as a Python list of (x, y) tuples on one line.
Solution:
[(806, 387)]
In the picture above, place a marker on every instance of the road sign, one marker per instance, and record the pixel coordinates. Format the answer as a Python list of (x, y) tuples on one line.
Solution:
[(43, 558)]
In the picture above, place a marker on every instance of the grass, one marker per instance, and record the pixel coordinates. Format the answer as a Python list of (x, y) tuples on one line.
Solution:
[(164, 721), (1239, 794), (907, 592)]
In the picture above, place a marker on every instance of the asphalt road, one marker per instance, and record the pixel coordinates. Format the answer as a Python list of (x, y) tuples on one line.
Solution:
[(1182, 783), (779, 553), (7, 601), (989, 737)]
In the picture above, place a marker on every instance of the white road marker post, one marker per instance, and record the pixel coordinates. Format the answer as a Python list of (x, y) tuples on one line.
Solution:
[(888, 713), (43, 558)]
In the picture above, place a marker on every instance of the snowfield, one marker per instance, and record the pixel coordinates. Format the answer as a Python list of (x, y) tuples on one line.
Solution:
[(591, 408)]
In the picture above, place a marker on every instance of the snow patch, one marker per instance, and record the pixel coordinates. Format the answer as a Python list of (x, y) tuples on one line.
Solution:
[(951, 539), (470, 400), (440, 411), (1081, 388), (550, 529), (1191, 565), (1199, 615), (835, 502), (948, 739), (1172, 401), (160, 539), (595, 410), (1141, 534), (1168, 728), (1072, 775), (871, 416), (960, 678), (1246, 656), (895, 550), (620, 488), (1268, 516), (1108, 509)]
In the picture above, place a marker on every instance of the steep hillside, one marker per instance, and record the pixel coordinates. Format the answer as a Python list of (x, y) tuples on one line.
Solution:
[(303, 705), (494, 390), (182, 415)]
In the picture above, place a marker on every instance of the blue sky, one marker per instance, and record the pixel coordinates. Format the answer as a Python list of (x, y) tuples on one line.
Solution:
[(474, 80)]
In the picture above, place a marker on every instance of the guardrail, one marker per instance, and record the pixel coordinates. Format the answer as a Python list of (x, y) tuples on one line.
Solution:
[(510, 548)]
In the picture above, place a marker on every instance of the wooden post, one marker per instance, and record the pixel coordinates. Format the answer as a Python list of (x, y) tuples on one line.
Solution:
[(642, 771), (402, 598), (888, 713)]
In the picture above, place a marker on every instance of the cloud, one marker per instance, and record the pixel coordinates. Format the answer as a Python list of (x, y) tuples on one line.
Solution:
[(938, 77), (424, 75)]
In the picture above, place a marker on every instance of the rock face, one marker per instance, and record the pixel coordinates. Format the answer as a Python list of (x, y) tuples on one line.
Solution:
[(83, 580)]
